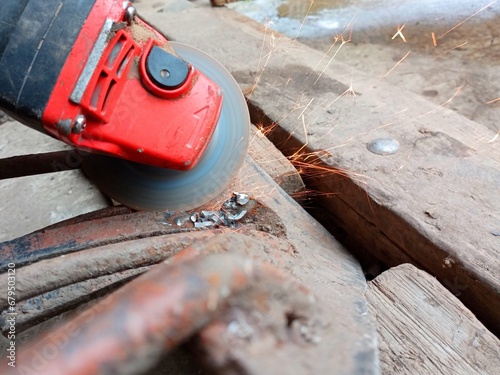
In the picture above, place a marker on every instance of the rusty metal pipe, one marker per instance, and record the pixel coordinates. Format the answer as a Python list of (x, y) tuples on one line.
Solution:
[(52, 242), (54, 273), (127, 332), (33, 164), (48, 305)]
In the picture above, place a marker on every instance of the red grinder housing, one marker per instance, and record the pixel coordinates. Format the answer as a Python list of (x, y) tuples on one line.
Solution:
[(96, 76)]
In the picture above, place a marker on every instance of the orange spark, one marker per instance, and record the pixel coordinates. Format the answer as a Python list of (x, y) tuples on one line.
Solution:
[(434, 41), (305, 109), (351, 91), (309, 193), (299, 151), (468, 18), (319, 169), (400, 33), (394, 67), (343, 41), (265, 130), (348, 34), (460, 45), (494, 138), (457, 92)]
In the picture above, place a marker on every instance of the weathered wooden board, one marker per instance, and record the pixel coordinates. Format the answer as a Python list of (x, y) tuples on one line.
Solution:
[(326, 267), (274, 163), (321, 264), (435, 203), (33, 202), (423, 329)]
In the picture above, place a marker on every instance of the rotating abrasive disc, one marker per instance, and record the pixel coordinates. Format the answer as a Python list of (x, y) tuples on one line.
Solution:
[(149, 188)]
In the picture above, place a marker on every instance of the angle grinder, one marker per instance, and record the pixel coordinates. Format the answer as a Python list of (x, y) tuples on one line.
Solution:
[(162, 126)]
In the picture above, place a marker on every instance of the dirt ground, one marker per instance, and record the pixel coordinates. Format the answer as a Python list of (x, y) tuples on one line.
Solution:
[(465, 79), (444, 50)]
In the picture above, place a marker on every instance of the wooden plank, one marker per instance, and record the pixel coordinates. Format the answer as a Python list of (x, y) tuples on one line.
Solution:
[(38, 201), (324, 266), (434, 203), (317, 261), (424, 329), (274, 163)]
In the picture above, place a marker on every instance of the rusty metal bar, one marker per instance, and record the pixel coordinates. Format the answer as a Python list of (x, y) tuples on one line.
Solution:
[(93, 216), (56, 241), (48, 305), (33, 164), (130, 330), (111, 226), (51, 274)]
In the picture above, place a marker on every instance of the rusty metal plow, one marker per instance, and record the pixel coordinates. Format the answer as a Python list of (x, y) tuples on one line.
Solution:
[(240, 315)]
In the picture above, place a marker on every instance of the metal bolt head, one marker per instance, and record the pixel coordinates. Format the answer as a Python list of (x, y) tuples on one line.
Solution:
[(64, 127), (130, 14), (79, 125), (383, 146)]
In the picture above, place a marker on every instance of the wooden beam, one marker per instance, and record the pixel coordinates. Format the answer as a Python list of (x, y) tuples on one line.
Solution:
[(424, 329), (434, 203)]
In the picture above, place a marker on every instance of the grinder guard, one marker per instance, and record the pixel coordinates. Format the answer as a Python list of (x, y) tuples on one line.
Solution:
[(95, 76)]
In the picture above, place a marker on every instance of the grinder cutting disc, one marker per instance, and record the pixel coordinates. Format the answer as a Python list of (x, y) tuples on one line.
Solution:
[(150, 188)]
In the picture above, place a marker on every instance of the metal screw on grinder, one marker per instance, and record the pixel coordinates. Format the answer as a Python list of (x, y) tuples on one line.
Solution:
[(166, 70), (79, 124), (130, 14)]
